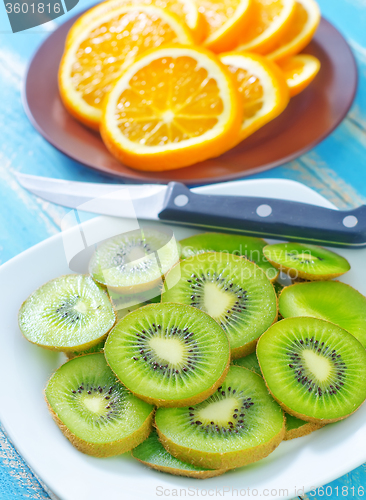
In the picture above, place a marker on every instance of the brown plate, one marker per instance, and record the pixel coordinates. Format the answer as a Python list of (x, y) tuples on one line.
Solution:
[(309, 118)]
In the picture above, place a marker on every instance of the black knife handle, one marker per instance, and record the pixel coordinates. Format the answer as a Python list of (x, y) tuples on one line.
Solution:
[(267, 217)]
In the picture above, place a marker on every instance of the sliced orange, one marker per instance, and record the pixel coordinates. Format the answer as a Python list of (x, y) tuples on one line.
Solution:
[(175, 106), (96, 57), (225, 21), (263, 88), (269, 20), (300, 32), (186, 10), (299, 71)]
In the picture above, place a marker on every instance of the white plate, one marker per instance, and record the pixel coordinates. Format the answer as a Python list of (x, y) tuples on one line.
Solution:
[(24, 370)]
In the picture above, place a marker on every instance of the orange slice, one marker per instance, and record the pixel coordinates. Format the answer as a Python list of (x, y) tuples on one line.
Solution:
[(186, 10), (99, 53), (269, 20), (175, 106), (299, 71), (263, 88), (299, 34), (225, 21)]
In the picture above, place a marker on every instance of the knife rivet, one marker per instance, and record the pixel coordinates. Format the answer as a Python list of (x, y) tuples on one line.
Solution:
[(350, 221), (264, 210), (181, 200)]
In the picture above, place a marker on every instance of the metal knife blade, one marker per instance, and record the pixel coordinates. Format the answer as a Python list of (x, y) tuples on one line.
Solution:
[(175, 203)]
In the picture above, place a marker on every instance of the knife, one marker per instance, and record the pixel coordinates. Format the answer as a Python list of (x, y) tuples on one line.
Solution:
[(175, 203)]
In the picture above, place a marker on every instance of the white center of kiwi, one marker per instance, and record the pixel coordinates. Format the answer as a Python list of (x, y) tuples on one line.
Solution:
[(81, 307), (94, 403), (136, 253), (317, 364), (216, 300), (169, 350), (219, 411)]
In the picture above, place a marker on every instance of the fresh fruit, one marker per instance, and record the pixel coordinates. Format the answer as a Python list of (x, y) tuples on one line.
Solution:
[(69, 313), (184, 9), (329, 300), (299, 71), (169, 354), (247, 246), (305, 261), (92, 350), (250, 362), (188, 112), (296, 428), (134, 262), (300, 32), (152, 453), (313, 368), (262, 86), (225, 22), (269, 22), (94, 410), (238, 425), (102, 50), (231, 289)]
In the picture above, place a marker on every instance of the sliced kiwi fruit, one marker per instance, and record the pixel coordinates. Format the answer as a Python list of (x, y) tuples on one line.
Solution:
[(70, 313), (247, 246), (231, 289), (309, 262), (135, 261), (97, 348), (169, 354), (94, 410), (330, 300), (313, 368), (153, 454), (239, 424), (296, 427), (250, 362)]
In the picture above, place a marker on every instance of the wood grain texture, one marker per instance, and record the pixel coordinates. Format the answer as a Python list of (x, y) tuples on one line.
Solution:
[(336, 168)]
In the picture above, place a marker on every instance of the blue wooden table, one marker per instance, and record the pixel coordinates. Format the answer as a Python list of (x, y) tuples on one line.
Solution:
[(336, 168)]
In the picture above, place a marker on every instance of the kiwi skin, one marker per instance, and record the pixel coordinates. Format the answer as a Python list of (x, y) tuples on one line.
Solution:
[(107, 449), (221, 461), (304, 430)]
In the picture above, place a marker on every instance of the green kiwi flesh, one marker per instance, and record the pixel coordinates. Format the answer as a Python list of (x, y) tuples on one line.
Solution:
[(296, 427), (231, 289), (169, 354), (306, 261), (247, 246), (250, 362), (330, 300), (70, 313), (153, 454), (313, 368), (135, 261), (94, 410), (239, 424)]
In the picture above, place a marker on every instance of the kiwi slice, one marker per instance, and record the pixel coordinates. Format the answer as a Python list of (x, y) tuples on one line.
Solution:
[(247, 246), (231, 289), (239, 424), (169, 354), (250, 362), (70, 313), (330, 300), (135, 261), (313, 368), (306, 261), (97, 348), (94, 410), (153, 454), (296, 427)]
